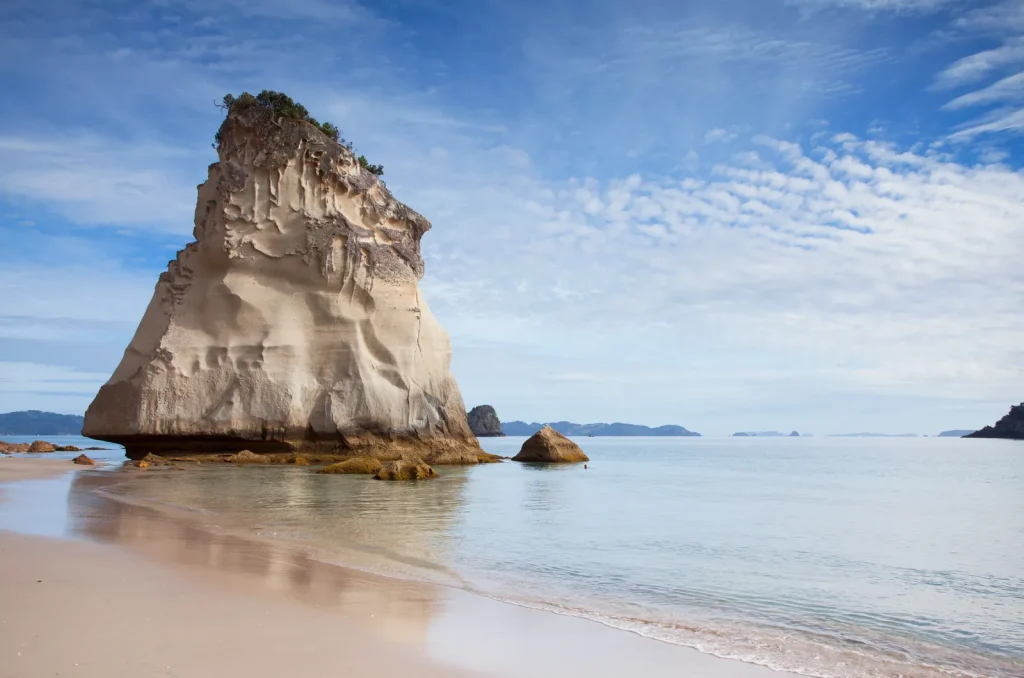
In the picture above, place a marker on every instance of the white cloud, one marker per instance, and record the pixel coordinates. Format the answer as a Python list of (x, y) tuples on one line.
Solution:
[(1006, 90), (102, 180), (1000, 121), (898, 6), (718, 134), (975, 67)]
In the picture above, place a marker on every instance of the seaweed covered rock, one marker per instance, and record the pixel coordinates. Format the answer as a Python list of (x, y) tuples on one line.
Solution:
[(358, 465), (294, 322), (249, 457), (549, 446), (405, 469)]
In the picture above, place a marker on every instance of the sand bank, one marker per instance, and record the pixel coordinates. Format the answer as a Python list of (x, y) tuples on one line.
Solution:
[(158, 595)]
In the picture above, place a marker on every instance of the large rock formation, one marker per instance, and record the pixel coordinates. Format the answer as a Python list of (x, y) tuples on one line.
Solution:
[(484, 422), (1011, 426), (294, 321), (549, 446)]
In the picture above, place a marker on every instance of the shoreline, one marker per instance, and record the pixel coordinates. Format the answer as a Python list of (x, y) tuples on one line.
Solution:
[(423, 629)]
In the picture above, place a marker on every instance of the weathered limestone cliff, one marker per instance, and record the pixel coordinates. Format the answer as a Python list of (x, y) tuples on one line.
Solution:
[(294, 321), (1011, 426)]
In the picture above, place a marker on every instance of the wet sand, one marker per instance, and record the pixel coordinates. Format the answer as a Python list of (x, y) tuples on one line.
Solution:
[(148, 593)]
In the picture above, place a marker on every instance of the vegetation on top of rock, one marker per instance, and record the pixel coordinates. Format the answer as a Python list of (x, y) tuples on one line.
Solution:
[(283, 106), (376, 170)]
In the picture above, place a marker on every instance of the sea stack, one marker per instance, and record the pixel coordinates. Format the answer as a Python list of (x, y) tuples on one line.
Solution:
[(294, 321), (1011, 426), (484, 422), (549, 446)]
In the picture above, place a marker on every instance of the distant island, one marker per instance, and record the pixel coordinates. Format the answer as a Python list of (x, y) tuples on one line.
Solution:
[(36, 423), (568, 428), (956, 433), (765, 434), (873, 435)]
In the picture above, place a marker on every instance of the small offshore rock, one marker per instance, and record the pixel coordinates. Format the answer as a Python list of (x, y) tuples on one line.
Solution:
[(248, 457), (405, 469), (83, 460), (484, 422), (549, 446), (364, 465), (66, 448), (41, 446)]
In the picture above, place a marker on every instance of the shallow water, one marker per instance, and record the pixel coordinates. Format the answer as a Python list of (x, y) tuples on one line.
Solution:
[(863, 557)]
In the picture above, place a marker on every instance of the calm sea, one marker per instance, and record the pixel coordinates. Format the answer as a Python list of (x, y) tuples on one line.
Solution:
[(829, 557)]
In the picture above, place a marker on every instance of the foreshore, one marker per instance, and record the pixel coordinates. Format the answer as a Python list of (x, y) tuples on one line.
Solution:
[(146, 594)]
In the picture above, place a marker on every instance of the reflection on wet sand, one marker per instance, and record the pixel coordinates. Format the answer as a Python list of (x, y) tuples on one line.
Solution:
[(397, 610)]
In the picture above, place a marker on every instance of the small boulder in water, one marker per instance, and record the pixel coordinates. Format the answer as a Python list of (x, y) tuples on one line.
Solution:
[(247, 457), (405, 469), (549, 446), (41, 446), (83, 460), (357, 465)]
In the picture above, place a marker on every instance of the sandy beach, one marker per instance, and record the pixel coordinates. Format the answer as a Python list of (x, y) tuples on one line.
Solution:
[(146, 594)]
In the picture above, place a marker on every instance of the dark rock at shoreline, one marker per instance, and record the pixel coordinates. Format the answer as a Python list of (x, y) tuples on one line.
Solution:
[(1010, 427), (549, 446), (83, 460), (484, 422)]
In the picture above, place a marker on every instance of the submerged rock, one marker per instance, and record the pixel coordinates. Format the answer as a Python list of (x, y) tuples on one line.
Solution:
[(83, 460), (405, 469), (484, 422), (359, 465), (41, 446), (1011, 426), (247, 457), (294, 321), (549, 446)]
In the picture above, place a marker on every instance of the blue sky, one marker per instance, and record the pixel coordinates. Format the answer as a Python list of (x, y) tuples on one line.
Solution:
[(730, 214)]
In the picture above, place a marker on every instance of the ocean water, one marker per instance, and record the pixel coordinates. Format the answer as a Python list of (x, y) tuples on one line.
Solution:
[(827, 557)]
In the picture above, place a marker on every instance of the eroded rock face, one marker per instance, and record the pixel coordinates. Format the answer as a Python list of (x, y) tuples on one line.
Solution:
[(294, 321), (1011, 426), (484, 422), (549, 446)]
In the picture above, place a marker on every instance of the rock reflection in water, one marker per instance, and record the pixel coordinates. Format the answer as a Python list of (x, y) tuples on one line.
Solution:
[(202, 538)]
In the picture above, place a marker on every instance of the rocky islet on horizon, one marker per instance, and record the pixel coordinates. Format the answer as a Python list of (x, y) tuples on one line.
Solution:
[(294, 321)]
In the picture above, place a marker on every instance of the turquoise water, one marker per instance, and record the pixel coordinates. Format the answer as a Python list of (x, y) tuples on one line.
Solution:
[(829, 557)]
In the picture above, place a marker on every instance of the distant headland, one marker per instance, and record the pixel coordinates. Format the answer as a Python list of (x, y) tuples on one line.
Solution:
[(568, 428), (35, 422)]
